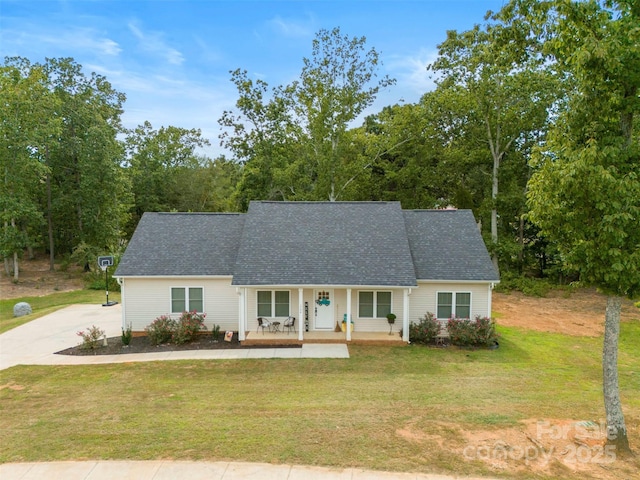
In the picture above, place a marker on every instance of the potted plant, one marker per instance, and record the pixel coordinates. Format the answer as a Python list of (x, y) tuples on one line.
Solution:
[(391, 318), (344, 323)]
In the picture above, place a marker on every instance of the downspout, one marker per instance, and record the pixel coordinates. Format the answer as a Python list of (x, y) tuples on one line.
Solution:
[(405, 314), (120, 281)]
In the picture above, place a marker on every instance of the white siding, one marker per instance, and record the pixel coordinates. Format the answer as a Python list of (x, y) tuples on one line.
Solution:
[(424, 298), (145, 299)]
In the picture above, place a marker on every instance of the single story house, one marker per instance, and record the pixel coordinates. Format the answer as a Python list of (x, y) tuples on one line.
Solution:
[(319, 262)]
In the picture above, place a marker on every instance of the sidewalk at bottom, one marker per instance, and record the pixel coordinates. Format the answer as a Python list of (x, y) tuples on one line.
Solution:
[(176, 470)]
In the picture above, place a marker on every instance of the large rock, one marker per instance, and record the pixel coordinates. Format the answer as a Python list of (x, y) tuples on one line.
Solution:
[(21, 309)]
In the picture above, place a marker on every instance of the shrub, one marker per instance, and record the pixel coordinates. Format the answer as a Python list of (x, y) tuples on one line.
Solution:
[(426, 330), (161, 330), (90, 337), (188, 326), (532, 287), (215, 332), (126, 335), (467, 332)]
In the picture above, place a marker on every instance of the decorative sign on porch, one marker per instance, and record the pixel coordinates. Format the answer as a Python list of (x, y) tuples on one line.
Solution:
[(323, 298)]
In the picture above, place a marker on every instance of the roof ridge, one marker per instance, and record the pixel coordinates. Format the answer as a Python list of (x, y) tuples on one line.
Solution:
[(197, 213)]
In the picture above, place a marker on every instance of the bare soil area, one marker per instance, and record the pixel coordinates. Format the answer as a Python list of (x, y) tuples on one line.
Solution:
[(580, 312), (36, 280)]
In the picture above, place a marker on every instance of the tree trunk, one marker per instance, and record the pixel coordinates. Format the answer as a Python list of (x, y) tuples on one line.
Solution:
[(16, 268), (494, 210), (50, 226), (616, 429)]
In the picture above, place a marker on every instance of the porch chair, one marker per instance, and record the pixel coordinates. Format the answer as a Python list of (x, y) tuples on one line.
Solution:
[(289, 323), (262, 324)]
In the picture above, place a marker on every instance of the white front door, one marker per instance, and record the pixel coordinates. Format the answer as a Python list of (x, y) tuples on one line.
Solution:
[(323, 309)]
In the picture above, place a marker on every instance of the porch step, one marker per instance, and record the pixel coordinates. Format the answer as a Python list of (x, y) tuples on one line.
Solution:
[(275, 340)]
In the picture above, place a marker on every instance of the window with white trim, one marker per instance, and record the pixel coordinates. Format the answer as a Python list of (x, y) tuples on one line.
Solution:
[(273, 303), (374, 304), (187, 299), (454, 304)]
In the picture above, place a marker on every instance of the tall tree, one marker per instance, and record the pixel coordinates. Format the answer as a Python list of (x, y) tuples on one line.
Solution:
[(160, 167), (28, 124), (294, 139), (585, 193), (498, 102), (89, 193)]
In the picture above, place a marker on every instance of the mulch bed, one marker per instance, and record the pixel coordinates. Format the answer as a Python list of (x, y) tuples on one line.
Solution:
[(142, 345)]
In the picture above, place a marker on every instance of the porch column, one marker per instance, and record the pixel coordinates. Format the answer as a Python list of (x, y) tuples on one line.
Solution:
[(405, 315), (348, 314), (300, 314), (242, 313)]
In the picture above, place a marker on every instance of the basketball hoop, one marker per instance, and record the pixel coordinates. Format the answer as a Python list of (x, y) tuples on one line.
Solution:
[(104, 263)]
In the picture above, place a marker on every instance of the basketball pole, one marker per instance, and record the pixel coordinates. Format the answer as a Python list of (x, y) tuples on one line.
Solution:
[(106, 283)]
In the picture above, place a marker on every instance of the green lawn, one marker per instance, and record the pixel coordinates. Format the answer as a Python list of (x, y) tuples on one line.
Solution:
[(336, 412), (47, 304)]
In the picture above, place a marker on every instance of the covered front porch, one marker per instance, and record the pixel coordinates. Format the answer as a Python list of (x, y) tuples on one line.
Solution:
[(320, 310), (357, 338)]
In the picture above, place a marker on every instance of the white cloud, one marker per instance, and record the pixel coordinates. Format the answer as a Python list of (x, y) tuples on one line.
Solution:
[(292, 28), (67, 39), (411, 71), (152, 42)]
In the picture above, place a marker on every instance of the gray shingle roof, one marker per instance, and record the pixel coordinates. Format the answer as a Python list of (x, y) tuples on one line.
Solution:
[(446, 245), (324, 243), (183, 244), (312, 243)]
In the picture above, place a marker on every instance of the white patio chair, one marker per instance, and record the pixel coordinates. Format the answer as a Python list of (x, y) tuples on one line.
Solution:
[(262, 324)]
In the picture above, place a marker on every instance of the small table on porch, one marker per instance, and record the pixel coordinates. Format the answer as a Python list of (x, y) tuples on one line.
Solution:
[(276, 326)]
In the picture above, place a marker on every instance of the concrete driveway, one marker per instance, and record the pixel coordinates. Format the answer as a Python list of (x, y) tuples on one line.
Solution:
[(36, 342)]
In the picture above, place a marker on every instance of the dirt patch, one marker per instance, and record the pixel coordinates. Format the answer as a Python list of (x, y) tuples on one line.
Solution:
[(36, 280), (580, 312), (547, 447)]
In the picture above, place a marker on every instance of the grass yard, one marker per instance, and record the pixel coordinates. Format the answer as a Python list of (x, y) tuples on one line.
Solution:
[(43, 305), (388, 408)]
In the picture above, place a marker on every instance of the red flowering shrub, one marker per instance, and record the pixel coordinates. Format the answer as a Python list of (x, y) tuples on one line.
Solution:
[(466, 332), (188, 326), (426, 330)]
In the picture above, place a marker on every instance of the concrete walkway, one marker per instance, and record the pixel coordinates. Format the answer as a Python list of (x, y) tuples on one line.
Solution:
[(36, 342), (177, 470)]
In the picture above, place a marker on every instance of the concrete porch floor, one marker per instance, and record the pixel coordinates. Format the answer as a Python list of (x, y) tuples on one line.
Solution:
[(357, 338)]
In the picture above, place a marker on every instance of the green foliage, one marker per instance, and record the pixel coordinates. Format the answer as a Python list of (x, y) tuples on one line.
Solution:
[(535, 287), (126, 335), (91, 337), (164, 329), (295, 140), (466, 332), (426, 330), (160, 330), (188, 326), (215, 332)]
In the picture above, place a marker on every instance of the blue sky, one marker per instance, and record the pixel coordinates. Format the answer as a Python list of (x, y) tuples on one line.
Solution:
[(172, 57)]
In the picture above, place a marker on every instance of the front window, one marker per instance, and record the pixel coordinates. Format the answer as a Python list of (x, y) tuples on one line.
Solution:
[(273, 303), (374, 304), (454, 304), (187, 299)]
